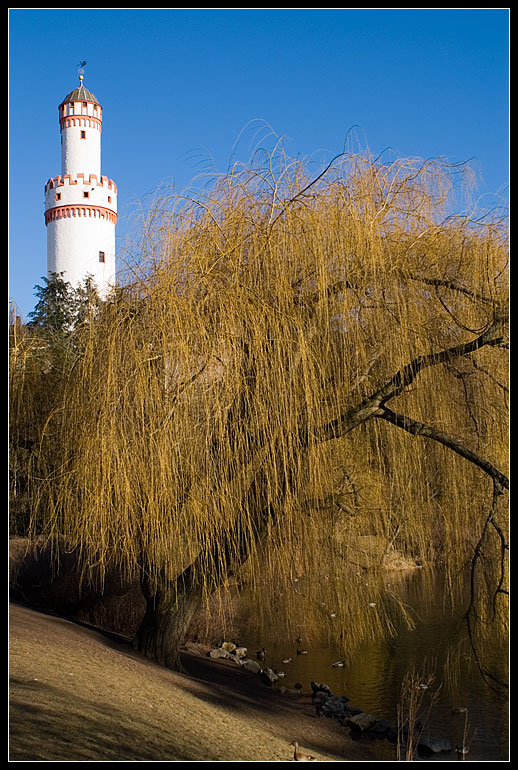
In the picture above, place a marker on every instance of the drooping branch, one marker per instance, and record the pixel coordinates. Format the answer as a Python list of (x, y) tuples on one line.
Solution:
[(470, 614), (374, 404), (349, 420), (493, 335), (420, 429), (454, 286)]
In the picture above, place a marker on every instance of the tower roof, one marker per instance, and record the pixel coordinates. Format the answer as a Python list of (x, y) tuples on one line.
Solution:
[(80, 94)]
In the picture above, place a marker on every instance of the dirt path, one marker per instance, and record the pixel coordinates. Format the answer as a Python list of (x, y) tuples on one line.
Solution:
[(78, 694)]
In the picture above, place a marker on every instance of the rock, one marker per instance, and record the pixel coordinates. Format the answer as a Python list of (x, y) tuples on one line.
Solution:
[(321, 689), (228, 646), (251, 665), (380, 728), (361, 721), (269, 676), (289, 691), (219, 652), (333, 706), (352, 712), (433, 745)]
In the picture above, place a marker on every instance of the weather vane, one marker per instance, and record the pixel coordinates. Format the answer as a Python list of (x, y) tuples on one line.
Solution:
[(81, 71)]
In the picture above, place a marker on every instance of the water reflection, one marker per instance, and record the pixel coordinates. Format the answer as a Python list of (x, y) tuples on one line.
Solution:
[(438, 644)]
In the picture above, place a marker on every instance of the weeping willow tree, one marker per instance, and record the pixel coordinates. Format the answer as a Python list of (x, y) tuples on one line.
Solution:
[(299, 363)]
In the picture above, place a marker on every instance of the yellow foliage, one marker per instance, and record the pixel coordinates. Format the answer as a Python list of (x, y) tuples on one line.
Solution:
[(190, 425)]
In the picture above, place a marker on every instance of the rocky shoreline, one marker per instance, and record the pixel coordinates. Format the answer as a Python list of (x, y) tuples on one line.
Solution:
[(356, 722)]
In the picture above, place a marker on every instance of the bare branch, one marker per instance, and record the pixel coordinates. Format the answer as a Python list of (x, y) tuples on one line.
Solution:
[(446, 283), (373, 405), (493, 336), (420, 429), (470, 612)]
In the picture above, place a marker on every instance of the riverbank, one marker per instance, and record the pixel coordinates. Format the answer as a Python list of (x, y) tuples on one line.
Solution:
[(80, 694)]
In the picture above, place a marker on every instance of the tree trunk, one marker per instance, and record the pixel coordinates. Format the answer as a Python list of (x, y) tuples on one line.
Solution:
[(171, 606), (169, 611)]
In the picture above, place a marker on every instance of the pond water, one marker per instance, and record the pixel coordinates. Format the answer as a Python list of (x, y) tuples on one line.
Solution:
[(464, 704)]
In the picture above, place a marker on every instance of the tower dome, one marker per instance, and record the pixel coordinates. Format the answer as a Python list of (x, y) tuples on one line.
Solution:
[(80, 203), (80, 94)]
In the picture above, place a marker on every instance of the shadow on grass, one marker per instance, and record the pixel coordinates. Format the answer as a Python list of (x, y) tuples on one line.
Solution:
[(47, 725)]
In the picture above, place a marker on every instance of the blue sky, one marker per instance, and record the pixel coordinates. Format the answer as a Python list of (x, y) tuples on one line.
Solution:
[(179, 87)]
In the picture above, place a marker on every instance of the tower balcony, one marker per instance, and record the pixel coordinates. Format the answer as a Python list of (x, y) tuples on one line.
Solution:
[(80, 191)]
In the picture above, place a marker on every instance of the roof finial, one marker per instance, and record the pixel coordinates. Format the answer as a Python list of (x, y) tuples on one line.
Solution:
[(81, 72)]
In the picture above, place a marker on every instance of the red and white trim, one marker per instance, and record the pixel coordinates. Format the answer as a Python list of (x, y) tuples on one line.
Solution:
[(91, 179), (72, 211), (80, 121)]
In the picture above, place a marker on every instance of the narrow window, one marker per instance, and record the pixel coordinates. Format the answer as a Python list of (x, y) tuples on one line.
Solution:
[(109, 198), (101, 256), (83, 134), (86, 195), (58, 196)]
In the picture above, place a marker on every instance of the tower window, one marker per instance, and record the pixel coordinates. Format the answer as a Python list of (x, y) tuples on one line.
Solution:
[(83, 134), (86, 195), (101, 256), (58, 196)]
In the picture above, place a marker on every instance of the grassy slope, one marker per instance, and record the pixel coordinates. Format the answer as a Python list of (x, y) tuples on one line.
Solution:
[(80, 695)]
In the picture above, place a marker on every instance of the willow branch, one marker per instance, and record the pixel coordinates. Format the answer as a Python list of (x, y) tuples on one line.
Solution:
[(470, 612), (304, 190), (493, 335), (420, 429), (445, 283), (374, 404)]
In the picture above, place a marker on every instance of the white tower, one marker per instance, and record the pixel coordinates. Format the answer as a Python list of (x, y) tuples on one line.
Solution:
[(81, 205)]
